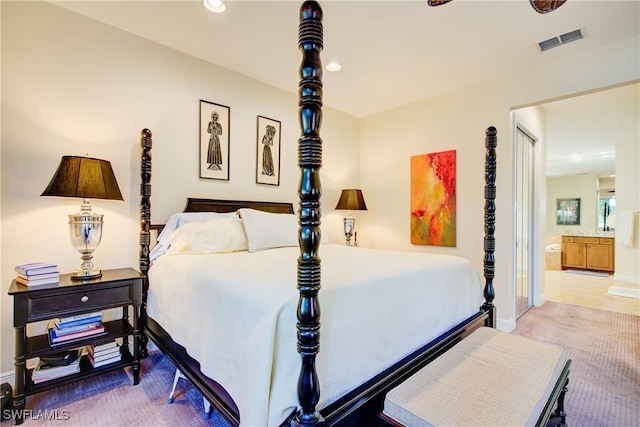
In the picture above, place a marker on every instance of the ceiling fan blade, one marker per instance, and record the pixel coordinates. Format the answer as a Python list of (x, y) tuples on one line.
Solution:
[(540, 6), (546, 6), (437, 2)]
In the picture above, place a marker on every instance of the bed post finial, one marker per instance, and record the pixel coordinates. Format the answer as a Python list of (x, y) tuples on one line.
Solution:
[(145, 222), (309, 191), (490, 168)]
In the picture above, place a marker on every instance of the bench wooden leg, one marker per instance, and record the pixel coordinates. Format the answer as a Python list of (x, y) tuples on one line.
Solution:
[(559, 416)]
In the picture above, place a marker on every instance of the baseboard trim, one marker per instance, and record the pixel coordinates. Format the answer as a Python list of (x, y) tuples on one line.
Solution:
[(506, 325), (625, 278), (540, 300)]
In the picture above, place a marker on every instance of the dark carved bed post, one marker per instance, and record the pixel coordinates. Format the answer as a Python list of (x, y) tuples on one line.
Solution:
[(145, 223), (490, 143), (310, 162)]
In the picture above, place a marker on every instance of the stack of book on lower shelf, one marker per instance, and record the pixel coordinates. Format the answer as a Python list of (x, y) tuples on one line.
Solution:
[(56, 365), (37, 273), (67, 329), (104, 354)]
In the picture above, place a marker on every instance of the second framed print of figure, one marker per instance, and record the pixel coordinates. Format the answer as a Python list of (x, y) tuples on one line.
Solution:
[(268, 151)]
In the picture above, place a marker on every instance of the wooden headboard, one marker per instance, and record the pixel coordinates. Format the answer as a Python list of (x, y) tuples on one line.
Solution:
[(223, 206)]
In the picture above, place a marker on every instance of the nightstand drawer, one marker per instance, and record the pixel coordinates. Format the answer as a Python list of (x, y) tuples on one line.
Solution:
[(87, 300)]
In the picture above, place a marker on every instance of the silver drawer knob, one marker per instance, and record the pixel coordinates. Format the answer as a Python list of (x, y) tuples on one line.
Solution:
[(84, 298)]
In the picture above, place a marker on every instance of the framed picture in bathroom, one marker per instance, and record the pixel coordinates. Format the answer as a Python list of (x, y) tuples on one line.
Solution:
[(568, 211)]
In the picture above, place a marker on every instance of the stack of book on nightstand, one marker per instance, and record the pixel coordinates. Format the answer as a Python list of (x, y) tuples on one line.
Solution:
[(37, 273), (104, 354), (73, 328), (56, 365)]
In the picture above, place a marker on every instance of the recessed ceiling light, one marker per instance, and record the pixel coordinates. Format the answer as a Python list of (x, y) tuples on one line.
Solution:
[(333, 66), (217, 6)]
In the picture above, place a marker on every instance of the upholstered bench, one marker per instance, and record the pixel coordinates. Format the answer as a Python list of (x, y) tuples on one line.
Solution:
[(491, 378)]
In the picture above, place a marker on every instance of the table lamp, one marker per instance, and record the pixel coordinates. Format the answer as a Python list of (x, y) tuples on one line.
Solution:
[(85, 178), (350, 200)]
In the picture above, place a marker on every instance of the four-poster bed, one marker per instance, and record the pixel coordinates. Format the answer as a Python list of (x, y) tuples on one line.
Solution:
[(191, 345)]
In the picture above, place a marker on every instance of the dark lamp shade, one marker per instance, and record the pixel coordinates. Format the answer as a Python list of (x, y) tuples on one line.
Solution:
[(84, 177), (352, 200)]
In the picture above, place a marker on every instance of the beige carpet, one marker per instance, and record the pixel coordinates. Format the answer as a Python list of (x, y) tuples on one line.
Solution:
[(604, 384), (110, 400)]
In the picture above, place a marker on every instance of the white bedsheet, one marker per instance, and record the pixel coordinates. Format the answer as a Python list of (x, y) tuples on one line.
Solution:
[(236, 314)]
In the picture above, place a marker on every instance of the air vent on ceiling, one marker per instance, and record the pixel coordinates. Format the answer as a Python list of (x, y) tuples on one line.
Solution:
[(561, 39)]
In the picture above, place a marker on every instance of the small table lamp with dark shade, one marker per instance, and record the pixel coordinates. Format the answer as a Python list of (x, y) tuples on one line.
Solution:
[(350, 200), (85, 178)]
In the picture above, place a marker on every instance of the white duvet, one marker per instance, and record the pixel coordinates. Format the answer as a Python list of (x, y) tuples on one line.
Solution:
[(236, 314)]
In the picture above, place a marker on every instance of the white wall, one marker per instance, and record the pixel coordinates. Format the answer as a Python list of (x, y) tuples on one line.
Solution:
[(605, 184), (628, 200), (458, 120), (72, 86)]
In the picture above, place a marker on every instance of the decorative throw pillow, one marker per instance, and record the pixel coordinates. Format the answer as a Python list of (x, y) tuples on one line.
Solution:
[(266, 230), (219, 235), (177, 220)]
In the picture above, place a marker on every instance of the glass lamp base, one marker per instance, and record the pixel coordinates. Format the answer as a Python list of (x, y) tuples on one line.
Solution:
[(349, 223), (86, 274), (86, 233)]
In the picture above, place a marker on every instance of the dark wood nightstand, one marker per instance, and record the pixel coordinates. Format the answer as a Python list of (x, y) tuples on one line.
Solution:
[(116, 288)]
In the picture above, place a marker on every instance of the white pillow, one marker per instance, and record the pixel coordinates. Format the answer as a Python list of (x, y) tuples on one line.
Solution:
[(266, 230), (219, 235), (175, 221)]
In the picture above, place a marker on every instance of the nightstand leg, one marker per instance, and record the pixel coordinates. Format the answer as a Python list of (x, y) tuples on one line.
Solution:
[(136, 343), (144, 339), (19, 400)]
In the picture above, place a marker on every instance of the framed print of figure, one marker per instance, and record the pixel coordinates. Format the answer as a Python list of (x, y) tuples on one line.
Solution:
[(268, 151), (214, 140)]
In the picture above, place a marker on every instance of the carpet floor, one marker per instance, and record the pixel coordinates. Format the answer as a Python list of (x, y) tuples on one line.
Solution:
[(604, 383), (109, 400)]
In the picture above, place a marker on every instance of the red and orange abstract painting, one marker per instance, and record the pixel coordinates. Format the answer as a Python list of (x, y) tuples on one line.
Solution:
[(433, 199)]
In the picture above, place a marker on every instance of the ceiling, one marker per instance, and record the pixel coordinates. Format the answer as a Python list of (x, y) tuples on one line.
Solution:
[(397, 52), (582, 132)]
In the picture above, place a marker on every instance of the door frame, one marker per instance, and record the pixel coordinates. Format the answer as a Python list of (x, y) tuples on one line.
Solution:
[(537, 215)]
